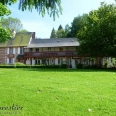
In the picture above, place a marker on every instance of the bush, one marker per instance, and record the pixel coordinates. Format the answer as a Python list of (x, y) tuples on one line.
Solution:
[(19, 64), (64, 65), (79, 66), (93, 67)]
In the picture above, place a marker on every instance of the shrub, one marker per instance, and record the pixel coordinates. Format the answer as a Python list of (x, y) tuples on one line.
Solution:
[(79, 66), (19, 64), (64, 65)]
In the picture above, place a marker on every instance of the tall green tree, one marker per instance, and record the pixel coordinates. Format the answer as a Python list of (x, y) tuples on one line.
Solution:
[(4, 33), (60, 32), (60, 27), (12, 23), (76, 25), (98, 35), (53, 34), (67, 31)]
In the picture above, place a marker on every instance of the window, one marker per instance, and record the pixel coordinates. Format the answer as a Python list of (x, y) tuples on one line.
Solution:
[(10, 50), (21, 50), (30, 49), (37, 49), (49, 48), (67, 48), (61, 49), (10, 61), (59, 61)]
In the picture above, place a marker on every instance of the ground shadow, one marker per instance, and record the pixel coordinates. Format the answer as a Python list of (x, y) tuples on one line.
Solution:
[(67, 70)]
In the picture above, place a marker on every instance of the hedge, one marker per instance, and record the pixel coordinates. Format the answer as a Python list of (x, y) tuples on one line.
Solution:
[(26, 66)]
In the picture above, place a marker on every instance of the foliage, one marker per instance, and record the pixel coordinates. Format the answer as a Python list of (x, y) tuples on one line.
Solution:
[(12, 23), (98, 35), (60, 32), (24, 30), (53, 34), (67, 31), (53, 7), (5, 34), (79, 66), (4, 10), (75, 26), (64, 65), (8, 2), (19, 64)]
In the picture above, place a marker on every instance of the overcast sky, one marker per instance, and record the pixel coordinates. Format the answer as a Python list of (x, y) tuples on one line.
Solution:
[(43, 26)]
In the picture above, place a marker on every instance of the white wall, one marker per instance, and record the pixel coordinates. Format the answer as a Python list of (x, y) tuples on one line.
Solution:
[(73, 63), (33, 62), (18, 50), (7, 50), (7, 60), (28, 62), (13, 61), (13, 50), (56, 61)]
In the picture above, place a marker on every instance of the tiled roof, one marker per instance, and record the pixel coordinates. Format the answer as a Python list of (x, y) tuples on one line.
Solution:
[(53, 42), (20, 39)]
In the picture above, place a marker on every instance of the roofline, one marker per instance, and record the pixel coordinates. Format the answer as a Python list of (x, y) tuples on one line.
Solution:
[(50, 46)]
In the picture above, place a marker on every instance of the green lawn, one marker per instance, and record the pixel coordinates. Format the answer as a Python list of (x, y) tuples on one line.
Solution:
[(58, 92)]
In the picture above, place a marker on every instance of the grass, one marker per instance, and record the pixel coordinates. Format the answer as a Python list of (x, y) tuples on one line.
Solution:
[(52, 92)]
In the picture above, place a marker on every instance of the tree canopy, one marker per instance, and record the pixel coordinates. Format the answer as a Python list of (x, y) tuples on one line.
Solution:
[(98, 35), (12, 23), (4, 33), (53, 34), (52, 7)]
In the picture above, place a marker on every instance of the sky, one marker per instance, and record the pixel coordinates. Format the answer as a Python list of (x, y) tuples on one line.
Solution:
[(43, 26)]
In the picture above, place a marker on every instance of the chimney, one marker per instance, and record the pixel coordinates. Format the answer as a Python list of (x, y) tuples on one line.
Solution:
[(33, 36)]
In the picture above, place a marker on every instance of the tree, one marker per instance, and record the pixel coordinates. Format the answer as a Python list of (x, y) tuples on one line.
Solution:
[(67, 30), (76, 25), (12, 23), (24, 30), (4, 33), (98, 35), (53, 34), (60, 32), (60, 27), (53, 7)]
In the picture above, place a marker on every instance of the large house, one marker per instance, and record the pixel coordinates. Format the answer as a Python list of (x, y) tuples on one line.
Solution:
[(26, 48)]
